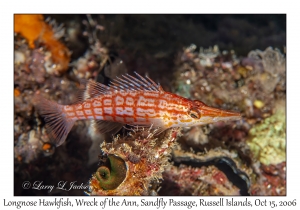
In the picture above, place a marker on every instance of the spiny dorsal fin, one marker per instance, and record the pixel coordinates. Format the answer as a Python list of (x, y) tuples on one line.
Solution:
[(91, 89), (139, 83)]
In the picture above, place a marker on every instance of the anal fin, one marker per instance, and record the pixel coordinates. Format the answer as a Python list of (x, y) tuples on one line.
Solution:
[(106, 126)]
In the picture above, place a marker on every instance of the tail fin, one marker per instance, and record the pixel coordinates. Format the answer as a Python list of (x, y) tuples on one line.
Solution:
[(58, 125)]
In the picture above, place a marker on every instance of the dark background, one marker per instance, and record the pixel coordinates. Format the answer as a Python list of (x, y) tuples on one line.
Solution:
[(151, 43)]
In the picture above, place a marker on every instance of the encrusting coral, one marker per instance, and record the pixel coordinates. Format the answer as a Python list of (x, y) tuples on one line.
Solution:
[(145, 157)]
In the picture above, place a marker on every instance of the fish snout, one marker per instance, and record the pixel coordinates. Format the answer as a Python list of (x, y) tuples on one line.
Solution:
[(212, 115)]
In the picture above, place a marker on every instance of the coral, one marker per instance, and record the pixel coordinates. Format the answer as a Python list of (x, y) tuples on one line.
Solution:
[(96, 57), (34, 29), (267, 139), (221, 79), (145, 157), (255, 86), (91, 63), (273, 60), (271, 180), (223, 173), (30, 145), (35, 71), (197, 181), (96, 63)]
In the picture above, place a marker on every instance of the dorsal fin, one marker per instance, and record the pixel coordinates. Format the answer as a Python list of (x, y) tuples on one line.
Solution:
[(91, 89), (139, 83)]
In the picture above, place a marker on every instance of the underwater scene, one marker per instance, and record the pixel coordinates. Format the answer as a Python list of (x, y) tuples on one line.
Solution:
[(162, 105)]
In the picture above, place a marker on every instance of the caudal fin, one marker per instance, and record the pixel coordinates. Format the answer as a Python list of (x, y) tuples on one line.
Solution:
[(58, 125)]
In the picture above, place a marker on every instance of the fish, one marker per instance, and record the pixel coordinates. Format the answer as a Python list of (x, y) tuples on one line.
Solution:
[(131, 100)]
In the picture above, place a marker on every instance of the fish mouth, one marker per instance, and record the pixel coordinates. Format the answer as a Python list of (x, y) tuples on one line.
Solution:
[(212, 115)]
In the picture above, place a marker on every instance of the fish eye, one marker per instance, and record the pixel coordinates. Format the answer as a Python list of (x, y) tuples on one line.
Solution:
[(194, 113)]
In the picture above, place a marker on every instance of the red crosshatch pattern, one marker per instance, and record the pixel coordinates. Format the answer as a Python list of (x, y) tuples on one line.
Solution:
[(129, 100)]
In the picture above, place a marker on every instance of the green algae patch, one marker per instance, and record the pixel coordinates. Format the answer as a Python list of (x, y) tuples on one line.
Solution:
[(268, 139)]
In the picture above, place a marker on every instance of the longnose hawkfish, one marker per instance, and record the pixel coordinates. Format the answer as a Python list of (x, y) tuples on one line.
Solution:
[(136, 101)]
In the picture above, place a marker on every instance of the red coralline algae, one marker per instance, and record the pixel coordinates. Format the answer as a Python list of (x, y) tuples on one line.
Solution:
[(272, 180), (196, 181), (219, 177)]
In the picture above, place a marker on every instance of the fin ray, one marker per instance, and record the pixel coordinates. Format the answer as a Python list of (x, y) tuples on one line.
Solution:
[(91, 89), (139, 83), (106, 126), (58, 125)]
